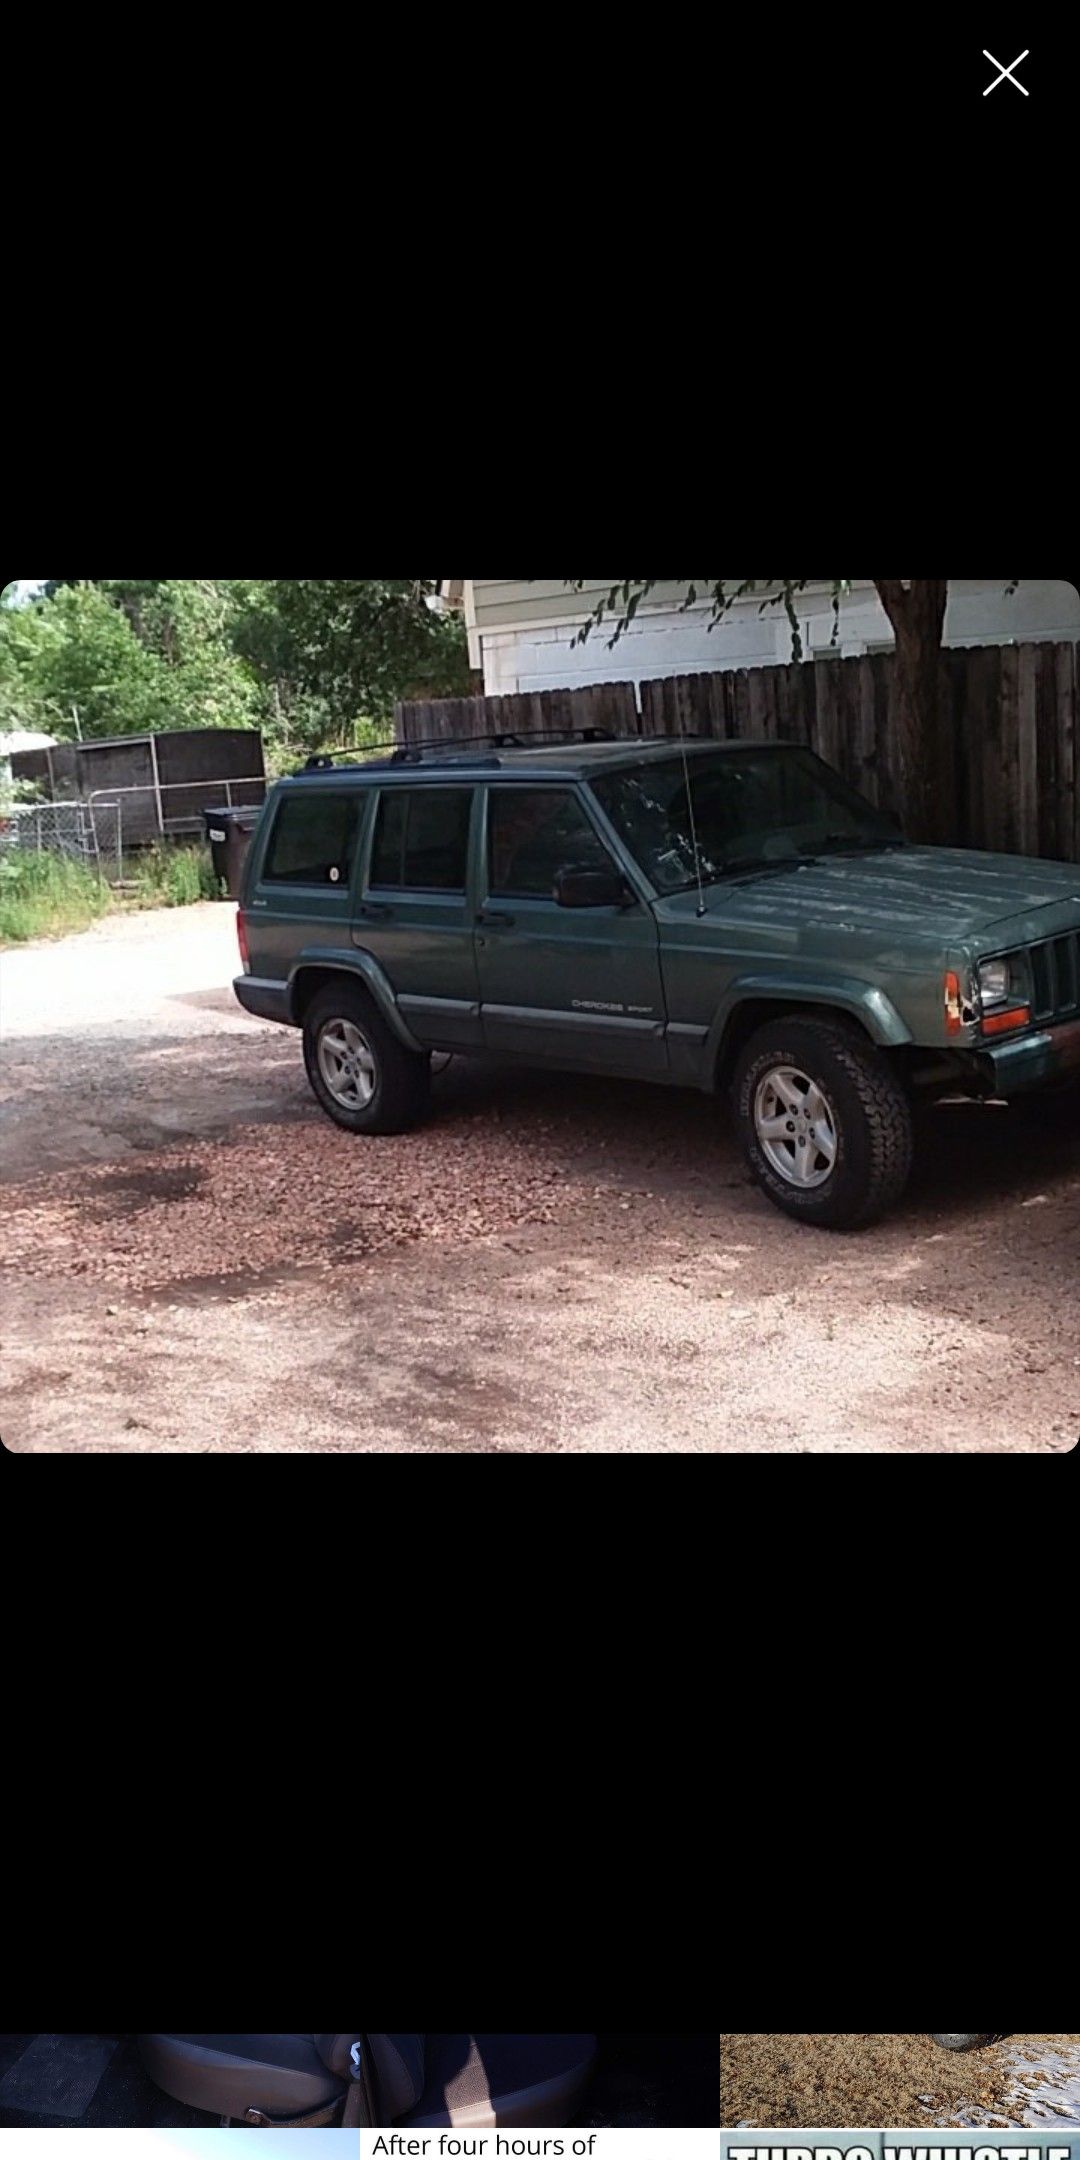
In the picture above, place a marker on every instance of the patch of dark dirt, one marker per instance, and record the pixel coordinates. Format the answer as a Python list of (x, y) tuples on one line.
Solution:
[(124, 1191)]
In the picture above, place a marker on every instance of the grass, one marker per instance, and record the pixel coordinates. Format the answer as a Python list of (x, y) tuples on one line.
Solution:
[(44, 895), (174, 877), (47, 895)]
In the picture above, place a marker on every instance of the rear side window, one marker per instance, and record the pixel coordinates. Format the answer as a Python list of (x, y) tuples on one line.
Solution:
[(313, 840), (422, 839)]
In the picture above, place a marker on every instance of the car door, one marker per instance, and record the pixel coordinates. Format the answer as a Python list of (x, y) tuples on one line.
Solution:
[(578, 986), (413, 912)]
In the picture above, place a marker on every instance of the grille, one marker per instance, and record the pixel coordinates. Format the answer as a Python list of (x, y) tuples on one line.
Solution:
[(1055, 977)]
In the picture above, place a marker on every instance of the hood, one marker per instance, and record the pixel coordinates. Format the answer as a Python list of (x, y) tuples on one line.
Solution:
[(945, 894), (884, 901)]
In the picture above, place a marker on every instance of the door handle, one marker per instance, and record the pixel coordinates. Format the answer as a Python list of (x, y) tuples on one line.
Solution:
[(492, 915), (374, 908)]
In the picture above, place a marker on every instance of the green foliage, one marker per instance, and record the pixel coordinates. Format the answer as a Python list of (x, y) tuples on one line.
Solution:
[(174, 877), (45, 895), (334, 654), (313, 662)]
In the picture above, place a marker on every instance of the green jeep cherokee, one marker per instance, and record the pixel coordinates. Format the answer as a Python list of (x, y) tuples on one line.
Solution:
[(727, 916)]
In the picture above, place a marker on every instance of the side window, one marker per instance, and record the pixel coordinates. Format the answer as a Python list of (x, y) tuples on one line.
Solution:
[(422, 838), (313, 839), (535, 832)]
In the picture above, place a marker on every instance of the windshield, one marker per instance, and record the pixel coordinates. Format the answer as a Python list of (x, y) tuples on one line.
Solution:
[(750, 808)]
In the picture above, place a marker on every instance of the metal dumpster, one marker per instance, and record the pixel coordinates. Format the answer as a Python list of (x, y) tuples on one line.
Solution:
[(229, 833)]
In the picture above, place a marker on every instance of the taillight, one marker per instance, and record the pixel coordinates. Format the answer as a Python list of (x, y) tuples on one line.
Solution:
[(241, 939)]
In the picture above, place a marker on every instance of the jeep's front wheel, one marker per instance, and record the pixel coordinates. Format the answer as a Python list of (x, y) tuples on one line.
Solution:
[(961, 2041), (823, 1120), (360, 1074)]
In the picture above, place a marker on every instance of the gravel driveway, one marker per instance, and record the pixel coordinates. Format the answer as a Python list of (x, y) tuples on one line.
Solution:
[(195, 1259)]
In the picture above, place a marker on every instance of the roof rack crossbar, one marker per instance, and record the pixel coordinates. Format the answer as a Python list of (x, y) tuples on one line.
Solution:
[(495, 738)]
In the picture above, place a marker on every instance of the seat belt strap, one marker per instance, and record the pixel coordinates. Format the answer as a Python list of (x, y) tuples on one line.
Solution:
[(360, 2097)]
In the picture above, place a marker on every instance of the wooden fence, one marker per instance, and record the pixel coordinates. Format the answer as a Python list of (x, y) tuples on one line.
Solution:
[(1011, 712)]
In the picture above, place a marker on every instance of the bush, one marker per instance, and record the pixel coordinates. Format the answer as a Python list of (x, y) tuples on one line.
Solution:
[(46, 894), (175, 876)]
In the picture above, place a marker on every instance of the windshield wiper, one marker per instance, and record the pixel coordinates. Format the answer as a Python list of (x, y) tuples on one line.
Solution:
[(737, 863), (833, 844), (847, 843)]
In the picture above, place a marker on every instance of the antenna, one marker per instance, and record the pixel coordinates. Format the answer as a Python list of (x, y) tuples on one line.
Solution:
[(693, 827)]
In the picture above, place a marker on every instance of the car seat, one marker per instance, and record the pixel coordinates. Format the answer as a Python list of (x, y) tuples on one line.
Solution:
[(427, 2079)]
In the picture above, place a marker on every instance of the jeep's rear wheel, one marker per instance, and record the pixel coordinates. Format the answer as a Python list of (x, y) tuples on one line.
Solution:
[(360, 1074), (824, 1122), (961, 2041)]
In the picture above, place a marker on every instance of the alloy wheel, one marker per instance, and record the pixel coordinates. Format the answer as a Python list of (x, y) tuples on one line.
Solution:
[(347, 1064), (795, 1126)]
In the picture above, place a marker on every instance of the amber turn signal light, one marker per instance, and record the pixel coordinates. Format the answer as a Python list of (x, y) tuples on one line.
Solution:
[(999, 1023)]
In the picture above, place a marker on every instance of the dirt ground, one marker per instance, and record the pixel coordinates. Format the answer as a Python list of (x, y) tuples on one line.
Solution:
[(896, 2080), (194, 1259)]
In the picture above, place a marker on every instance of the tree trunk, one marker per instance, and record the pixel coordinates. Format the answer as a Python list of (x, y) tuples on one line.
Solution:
[(916, 611)]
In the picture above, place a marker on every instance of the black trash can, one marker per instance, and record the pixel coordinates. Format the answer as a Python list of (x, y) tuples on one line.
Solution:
[(229, 833)]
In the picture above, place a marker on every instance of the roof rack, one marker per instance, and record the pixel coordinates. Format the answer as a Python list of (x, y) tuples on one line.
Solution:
[(495, 739)]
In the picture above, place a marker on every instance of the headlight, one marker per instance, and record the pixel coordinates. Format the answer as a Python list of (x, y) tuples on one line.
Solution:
[(994, 981)]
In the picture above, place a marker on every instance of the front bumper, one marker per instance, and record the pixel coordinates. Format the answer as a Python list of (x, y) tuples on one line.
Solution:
[(1046, 1058)]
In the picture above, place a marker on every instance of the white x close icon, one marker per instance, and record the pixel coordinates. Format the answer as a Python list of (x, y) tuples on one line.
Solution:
[(1006, 72)]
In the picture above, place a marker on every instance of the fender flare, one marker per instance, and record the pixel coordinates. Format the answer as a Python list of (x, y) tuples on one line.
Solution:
[(353, 960), (863, 1000)]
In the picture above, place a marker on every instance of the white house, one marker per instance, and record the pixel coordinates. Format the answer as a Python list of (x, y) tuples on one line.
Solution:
[(522, 634)]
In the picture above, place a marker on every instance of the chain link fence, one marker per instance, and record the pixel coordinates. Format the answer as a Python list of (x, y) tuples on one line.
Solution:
[(88, 833)]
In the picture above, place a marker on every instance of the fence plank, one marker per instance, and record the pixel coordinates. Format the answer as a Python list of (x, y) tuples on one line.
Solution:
[(1065, 688), (863, 759), (758, 696), (740, 702), (1046, 752), (1018, 712), (826, 684), (984, 743)]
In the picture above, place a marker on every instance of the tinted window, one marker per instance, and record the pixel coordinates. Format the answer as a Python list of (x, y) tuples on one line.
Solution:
[(742, 805), (422, 839), (533, 833), (313, 839)]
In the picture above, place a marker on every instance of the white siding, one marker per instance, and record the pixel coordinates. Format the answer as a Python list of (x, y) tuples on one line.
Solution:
[(524, 633)]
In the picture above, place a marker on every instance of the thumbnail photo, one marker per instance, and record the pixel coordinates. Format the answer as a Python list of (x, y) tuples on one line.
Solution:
[(941, 2080)]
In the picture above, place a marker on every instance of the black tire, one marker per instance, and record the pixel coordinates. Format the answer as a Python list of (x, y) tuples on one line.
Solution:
[(960, 2042), (402, 1077), (871, 1114)]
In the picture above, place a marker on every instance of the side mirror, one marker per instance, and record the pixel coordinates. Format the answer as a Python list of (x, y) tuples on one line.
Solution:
[(576, 886)]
